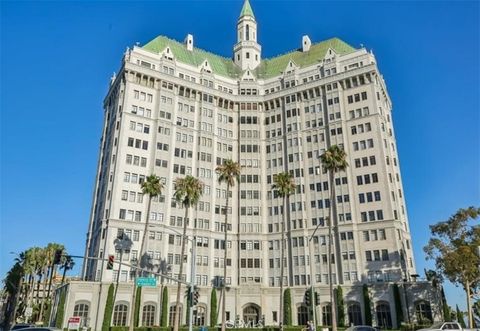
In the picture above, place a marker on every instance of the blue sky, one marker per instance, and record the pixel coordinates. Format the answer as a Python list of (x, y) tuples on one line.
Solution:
[(57, 57)]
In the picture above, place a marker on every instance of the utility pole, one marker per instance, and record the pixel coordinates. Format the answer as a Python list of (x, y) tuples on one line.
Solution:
[(192, 281)]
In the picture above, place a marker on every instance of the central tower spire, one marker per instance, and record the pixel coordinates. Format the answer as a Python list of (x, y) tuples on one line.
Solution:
[(247, 52)]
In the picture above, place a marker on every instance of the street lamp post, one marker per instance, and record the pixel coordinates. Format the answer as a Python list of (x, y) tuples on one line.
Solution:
[(192, 280)]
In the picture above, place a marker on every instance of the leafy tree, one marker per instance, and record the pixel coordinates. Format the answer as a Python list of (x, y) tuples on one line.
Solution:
[(333, 160), (453, 246), (228, 173), (152, 186), (48, 310), (164, 316), (367, 305), (107, 314), (287, 308), (447, 315), (460, 319), (433, 277), (283, 186), (476, 313), (60, 310), (398, 304), (188, 191), (340, 307), (213, 308)]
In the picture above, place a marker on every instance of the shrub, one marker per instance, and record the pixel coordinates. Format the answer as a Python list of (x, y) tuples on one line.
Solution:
[(107, 315)]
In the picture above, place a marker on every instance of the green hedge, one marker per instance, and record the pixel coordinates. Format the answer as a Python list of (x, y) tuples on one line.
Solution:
[(107, 315), (60, 310)]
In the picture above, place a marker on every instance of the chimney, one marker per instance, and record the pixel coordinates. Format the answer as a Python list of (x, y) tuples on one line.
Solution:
[(189, 42), (306, 43)]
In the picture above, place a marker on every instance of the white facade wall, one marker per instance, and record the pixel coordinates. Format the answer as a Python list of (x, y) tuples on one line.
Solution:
[(169, 118)]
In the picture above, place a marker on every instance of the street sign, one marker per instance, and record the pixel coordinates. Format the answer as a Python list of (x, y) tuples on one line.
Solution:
[(147, 281), (28, 311), (74, 323)]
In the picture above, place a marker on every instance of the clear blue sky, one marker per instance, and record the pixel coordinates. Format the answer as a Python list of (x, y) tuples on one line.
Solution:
[(57, 57)]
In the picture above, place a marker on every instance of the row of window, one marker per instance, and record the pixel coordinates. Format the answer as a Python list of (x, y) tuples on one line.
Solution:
[(369, 196), (377, 255), (137, 143), (139, 127), (357, 97), (374, 235), (362, 144)]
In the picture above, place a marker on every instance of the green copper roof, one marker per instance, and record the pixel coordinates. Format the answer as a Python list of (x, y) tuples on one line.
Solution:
[(268, 68), (272, 67), (220, 65), (247, 9)]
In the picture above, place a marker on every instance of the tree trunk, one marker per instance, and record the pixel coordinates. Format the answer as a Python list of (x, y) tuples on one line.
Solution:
[(282, 258), (469, 306), (137, 272), (64, 272), (329, 259), (50, 280), (224, 282), (45, 279), (176, 322)]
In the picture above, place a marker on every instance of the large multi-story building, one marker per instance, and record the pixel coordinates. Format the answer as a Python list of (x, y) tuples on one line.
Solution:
[(175, 110)]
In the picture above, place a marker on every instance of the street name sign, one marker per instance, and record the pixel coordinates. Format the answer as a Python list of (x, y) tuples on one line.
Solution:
[(146, 281)]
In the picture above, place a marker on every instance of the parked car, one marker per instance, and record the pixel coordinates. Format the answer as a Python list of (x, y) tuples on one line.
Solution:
[(40, 328), (446, 326), (361, 328), (20, 326)]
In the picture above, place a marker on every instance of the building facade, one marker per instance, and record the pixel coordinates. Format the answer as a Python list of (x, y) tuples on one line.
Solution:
[(174, 110)]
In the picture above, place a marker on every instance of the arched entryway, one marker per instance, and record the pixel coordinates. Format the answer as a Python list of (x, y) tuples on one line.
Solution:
[(354, 313), (302, 315), (251, 313), (384, 317)]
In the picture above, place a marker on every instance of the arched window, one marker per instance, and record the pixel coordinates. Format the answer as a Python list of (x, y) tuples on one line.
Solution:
[(81, 310), (247, 33), (302, 315), (148, 316), (120, 315), (423, 311), (354, 314), (326, 314), (171, 316), (199, 316), (384, 318)]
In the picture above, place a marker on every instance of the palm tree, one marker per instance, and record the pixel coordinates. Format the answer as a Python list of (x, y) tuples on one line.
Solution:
[(51, 249), (284, 184), (228, 172), (152, 186), (30, 267), (13, 285), (188, 191), (333, 160), (67, 264)]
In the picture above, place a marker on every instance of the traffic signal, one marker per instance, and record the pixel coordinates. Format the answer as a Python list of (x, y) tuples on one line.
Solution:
[(196, 295), (317, 299), (308, 298), (111, 258), (58, 256)]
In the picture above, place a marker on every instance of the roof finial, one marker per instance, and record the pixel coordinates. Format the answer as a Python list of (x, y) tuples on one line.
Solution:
[(247, 10)]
